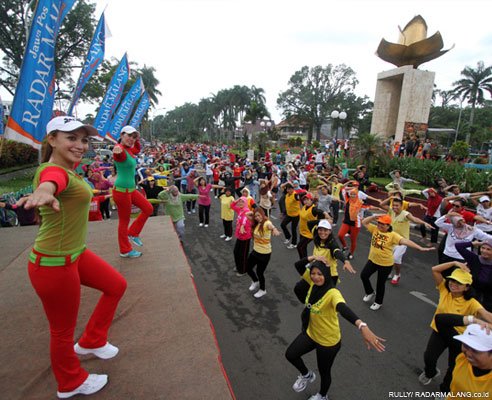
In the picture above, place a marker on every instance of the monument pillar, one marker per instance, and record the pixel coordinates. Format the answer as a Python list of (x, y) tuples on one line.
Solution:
[(402, 102)]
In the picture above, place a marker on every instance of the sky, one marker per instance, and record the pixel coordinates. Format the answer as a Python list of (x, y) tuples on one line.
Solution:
[(199, 47)]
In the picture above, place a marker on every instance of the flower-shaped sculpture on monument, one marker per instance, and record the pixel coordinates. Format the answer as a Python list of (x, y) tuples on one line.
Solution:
[(413, 47)]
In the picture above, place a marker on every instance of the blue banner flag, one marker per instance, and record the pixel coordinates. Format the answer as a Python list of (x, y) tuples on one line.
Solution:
[(32, 107), (142, 108), (112, 97), (94, 58), (125, 109), (66, 5)]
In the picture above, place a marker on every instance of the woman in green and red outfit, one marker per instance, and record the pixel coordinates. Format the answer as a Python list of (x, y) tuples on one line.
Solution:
[(125, 194), (60, 263)]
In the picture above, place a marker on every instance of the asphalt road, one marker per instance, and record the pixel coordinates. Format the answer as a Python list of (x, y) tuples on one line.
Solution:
[(253, 334)]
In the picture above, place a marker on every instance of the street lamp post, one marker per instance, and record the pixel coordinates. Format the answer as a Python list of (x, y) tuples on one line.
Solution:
[(335, 116), (266, 125)]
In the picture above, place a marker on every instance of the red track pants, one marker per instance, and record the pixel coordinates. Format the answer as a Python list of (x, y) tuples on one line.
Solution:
[(353, 232), (124, 203), (59, 291)]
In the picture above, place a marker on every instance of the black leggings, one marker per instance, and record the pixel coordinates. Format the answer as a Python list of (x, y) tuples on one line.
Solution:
[(241, 250), (227, 228), (437, 344), (325, 356), (335, 206), (203, 213), (434, 233), (261, 262), (104, 208), (288, 235), (383, 273), (302, 246)]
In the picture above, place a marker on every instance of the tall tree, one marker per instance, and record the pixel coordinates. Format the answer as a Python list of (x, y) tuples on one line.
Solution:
[(72, 43), (471, 87), (314, 92)]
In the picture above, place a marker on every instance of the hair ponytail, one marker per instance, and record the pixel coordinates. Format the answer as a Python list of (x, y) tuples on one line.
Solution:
[(46, 150)]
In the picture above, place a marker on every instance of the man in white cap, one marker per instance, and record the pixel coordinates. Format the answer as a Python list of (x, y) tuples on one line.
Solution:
[(484, 210)]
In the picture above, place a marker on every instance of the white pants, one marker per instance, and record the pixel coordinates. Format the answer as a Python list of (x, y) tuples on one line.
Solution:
[(398, 252)]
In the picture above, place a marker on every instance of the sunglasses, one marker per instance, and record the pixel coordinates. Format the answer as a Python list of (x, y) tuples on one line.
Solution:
[(132, 135), (456, 282), (457, 206), (381, 223)]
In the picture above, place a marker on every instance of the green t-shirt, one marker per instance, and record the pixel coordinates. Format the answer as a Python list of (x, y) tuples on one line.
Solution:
[(64, 232), (125, 177)]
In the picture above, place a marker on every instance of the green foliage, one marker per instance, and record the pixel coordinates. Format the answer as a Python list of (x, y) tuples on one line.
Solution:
[(369, 150), (298, 141), (15, 154), (316, 144), (426, 172), (314, 92), (460, 150), (471, 87)]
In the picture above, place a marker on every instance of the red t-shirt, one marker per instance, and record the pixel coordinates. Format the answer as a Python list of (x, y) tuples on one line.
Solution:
[(94, 211)]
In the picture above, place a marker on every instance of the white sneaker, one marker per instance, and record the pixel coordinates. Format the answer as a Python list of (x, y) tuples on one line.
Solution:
[(206, 225), (94, 383), (286, 241), (317, 396), (200, 224), (368, 297), (260, 293), (303, 380), (222, 236), (254, 286), (375, 306), (189, 212), (228, 238), (291, 246), (424, 380), (193, 211), (105, 352)]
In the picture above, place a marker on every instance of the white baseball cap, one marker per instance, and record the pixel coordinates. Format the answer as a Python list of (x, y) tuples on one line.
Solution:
[(476, 338), (484, 198), (67, 123), (128, 129), (324, 223)]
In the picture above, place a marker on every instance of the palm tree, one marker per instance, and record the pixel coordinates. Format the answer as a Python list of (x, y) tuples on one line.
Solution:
[(472, 86), (369, 147)]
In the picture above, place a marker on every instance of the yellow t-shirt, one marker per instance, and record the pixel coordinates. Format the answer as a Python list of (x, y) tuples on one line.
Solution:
[(400, 223), (326, 253), (382, 244), (292, 205), (262, 240), (454, 305), (226, 212), (305, 215), (323, 325), (404, 205), (336, 188), (465, 381)]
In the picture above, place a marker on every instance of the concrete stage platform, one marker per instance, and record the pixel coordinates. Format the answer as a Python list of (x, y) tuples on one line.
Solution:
[(167, 344)]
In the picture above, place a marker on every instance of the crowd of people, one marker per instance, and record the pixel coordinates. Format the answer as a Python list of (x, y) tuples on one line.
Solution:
[(316, 202)]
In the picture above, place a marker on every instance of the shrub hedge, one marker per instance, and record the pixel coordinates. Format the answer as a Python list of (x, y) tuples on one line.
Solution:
[(15, 154), (427, 171)]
